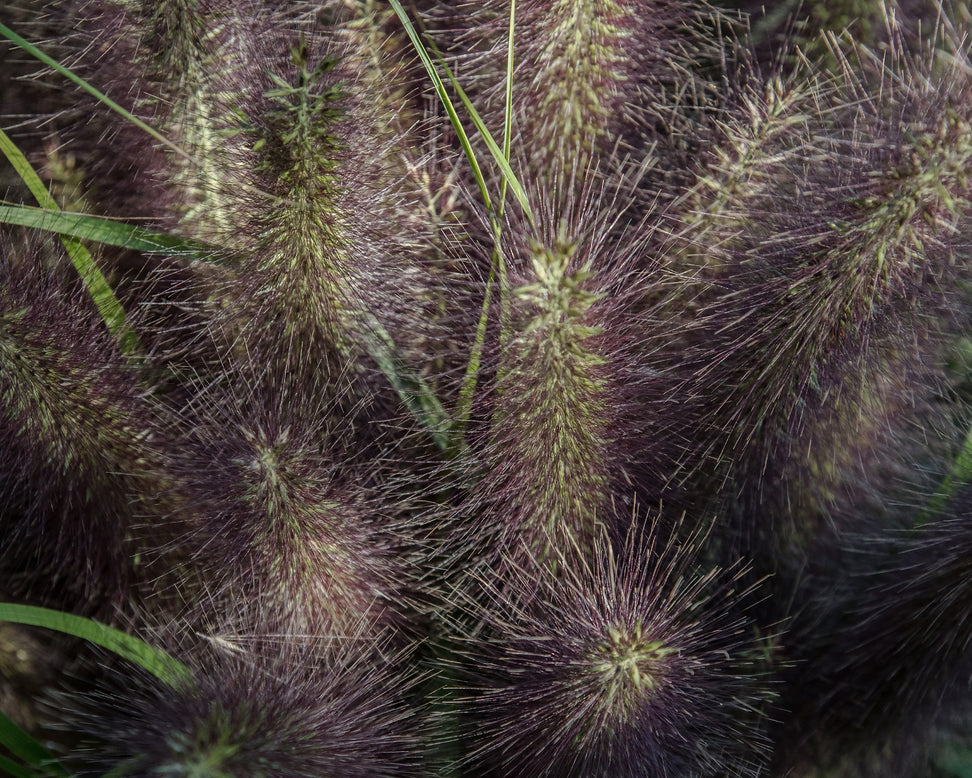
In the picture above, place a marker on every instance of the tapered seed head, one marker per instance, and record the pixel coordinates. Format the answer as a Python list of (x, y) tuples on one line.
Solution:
[(262, 711), (82, 454), (633, 666)]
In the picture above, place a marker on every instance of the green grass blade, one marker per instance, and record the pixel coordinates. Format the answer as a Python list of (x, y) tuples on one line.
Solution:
[(10, 767), (151, 659), (508, 108), (20, 164), (104, 298), (499, 259), (509, 179), (471, 377), (497, 153), (958, 475), (23, 746), (501, 158), (508, 175), (31, 49), (444, 98), (412, 388), (93, 228)]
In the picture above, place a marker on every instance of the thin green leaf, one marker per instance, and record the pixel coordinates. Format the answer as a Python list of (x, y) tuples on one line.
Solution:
[(494, 149), (412, 388), (508, 108), (445, 99), (20, 164), (471, 377), (498, 258), (23, 746), (31, 49), (509, 179), (104, 298), (10, 767), (112, 233), (152, 659), (958, 475)]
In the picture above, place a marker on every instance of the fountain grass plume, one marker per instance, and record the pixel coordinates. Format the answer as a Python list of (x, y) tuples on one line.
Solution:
[(828, 256), (270, 112), (79, 455), (636, 664), (594, 82), (414, 393), (560, 432), (269, 709), (278, 529), (885, 645), (325, 259)]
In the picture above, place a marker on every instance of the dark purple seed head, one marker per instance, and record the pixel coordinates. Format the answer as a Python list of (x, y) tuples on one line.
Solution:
[(256, 712), (633, 666)]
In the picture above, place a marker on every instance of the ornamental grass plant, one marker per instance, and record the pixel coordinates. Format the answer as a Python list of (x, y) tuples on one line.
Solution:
[(545, 388)]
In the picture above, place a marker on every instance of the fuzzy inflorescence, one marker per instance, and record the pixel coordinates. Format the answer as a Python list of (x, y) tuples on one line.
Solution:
[(80, 462), (277, 710), (279, 533), (564, 406), (636, 665)]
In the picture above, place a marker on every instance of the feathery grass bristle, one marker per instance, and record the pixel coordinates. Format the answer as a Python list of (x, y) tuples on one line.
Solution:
[(636, 665), (567, 399), (596, 84), (78, 456), (263, 711), (278, 529), (827, 245)]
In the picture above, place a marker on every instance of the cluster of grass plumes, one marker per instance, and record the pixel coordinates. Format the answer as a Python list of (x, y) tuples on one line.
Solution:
[(627, 434)]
